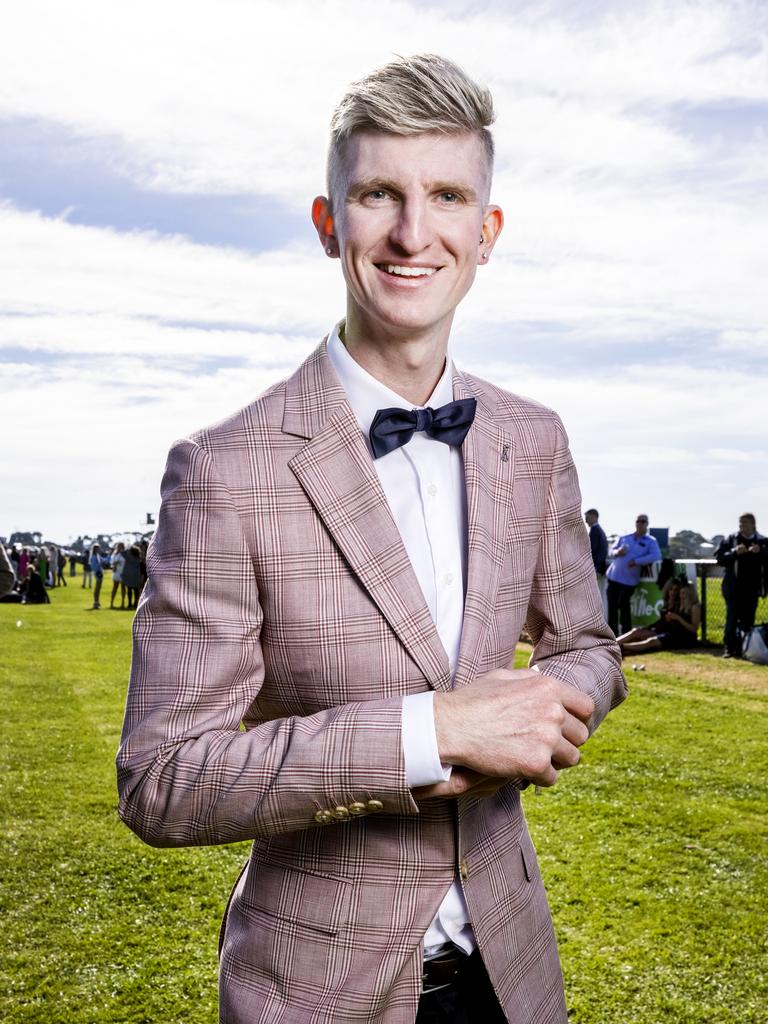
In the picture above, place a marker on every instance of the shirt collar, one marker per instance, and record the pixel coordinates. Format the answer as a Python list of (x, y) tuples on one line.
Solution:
[(366, 395)]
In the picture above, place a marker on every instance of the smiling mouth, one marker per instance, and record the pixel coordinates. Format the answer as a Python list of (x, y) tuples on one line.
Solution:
[(398, 270)]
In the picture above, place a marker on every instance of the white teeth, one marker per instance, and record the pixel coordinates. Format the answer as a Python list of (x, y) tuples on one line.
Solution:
[(410, 271)]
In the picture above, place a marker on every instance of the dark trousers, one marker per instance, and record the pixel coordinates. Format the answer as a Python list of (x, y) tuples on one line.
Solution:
[(619, 595), (470, 1000), (740, 611)]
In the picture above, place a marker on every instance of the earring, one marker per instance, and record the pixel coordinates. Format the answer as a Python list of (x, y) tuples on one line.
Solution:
[(481, 239), (485, 255), (329, 250)]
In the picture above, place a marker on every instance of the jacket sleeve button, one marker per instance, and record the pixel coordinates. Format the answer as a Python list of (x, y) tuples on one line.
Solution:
[(374, 806), (323, 817), (357, 808), (340, 813)]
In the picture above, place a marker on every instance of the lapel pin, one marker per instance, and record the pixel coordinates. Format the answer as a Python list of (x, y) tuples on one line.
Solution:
[(505, 453)]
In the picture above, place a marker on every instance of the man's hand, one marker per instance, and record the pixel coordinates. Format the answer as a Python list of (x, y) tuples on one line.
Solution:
[(513, 723), (462, 781)]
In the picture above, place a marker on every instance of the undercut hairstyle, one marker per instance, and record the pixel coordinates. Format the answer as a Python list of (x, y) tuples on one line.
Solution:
[(411, 96)]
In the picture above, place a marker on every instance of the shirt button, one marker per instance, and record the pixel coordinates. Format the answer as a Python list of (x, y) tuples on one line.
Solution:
[(432, 490), (448, 579)]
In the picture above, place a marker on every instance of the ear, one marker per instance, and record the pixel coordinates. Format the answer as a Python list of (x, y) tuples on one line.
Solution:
[(493, 222), (323, 221)]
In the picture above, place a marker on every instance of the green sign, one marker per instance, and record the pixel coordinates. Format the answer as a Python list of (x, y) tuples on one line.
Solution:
[(646, 602)]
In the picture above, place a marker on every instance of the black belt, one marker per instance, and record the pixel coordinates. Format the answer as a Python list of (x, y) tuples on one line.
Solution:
[(443, 970)]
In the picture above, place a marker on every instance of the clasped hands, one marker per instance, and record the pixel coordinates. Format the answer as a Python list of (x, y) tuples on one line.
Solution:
[(742, 549), (511, 723)]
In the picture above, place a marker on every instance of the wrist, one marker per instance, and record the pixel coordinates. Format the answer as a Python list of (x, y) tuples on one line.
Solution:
[(445, 731)]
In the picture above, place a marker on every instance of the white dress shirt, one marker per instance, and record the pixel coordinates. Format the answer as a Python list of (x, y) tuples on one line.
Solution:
[(423, 482)]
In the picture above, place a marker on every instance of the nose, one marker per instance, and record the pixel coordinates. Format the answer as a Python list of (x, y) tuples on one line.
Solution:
[(412, 230)]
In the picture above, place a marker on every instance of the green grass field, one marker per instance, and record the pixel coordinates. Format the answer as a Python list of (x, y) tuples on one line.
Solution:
[(654, 849)]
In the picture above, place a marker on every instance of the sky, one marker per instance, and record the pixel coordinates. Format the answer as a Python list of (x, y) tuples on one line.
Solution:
[(159, 269)]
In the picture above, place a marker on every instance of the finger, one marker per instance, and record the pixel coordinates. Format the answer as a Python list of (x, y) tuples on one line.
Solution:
[(420, 793), (579, 704), (461, 781), (565, 755), (575, 731), (546, 777)]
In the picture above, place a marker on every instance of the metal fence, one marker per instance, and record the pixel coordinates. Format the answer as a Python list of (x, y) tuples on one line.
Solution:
[(709, 578)]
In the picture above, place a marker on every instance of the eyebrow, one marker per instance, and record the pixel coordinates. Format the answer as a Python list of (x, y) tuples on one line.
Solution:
[(358, 188)]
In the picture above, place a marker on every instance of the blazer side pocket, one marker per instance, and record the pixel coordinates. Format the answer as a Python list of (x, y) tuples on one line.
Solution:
[(293, 896)]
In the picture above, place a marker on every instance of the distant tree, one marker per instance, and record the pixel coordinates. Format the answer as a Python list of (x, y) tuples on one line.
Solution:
[(686, 544), (26, 537)]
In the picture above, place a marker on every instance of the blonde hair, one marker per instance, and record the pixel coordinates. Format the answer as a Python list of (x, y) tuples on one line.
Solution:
[(411, 96), (688, 598)]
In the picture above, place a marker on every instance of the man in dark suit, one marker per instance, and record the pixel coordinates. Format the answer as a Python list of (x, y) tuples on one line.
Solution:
[(744, 555), (323, 653), (598, 544)]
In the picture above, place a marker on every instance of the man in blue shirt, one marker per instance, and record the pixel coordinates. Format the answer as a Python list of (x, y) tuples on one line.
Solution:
[(630, 553)]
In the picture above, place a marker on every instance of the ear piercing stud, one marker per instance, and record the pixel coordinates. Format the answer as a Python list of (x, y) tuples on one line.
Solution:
[(329, 250)]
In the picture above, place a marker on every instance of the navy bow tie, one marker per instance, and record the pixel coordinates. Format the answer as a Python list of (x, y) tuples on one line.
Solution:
[(392, 428)]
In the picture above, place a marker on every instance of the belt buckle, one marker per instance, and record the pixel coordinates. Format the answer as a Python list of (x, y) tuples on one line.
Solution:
[(443, 970)]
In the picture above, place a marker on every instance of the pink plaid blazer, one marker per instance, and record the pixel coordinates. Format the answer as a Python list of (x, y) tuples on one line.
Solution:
[(280, 627)]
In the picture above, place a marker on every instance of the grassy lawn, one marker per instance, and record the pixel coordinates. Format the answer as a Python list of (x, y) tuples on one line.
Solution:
[(654, 849)]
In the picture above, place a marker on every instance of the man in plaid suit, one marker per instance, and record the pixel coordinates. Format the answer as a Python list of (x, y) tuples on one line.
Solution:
[(341, 571)]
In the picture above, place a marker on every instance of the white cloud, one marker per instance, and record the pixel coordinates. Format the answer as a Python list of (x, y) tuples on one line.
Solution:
[(749, 341), (53, 267), (234, 96)]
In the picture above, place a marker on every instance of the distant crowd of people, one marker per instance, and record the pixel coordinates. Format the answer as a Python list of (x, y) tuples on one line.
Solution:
[(28, 574), (743, 555)]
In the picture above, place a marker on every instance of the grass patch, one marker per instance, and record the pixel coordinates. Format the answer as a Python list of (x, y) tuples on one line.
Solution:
[(653, 850)]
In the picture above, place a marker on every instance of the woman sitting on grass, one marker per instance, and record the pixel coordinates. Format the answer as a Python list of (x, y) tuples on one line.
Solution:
[(32, 588), (676, 628)]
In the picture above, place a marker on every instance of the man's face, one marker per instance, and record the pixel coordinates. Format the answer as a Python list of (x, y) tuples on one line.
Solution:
[(590, 518), (747, 526), (641, 526), (408, 228)]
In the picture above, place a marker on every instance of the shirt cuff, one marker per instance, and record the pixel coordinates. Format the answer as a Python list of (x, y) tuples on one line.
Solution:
[(422, 759)]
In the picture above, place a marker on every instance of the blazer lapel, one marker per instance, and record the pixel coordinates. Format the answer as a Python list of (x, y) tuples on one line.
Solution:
[(336, 472), (488, 454)]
